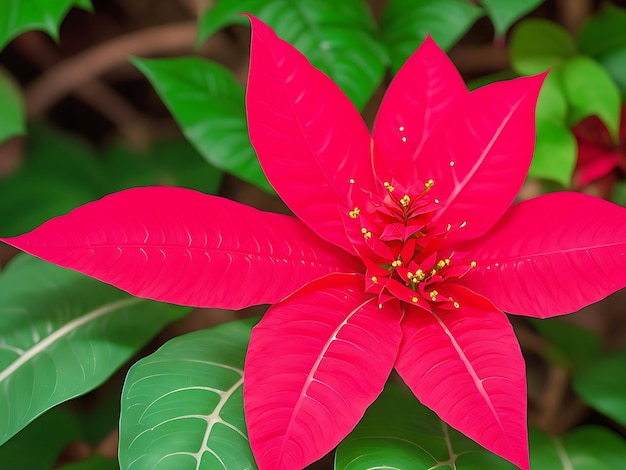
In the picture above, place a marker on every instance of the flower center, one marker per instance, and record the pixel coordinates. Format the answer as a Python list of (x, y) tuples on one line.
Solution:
[(403, 246)]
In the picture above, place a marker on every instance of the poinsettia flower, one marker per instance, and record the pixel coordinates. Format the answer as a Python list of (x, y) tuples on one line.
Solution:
[(598, 155), (404, 254)]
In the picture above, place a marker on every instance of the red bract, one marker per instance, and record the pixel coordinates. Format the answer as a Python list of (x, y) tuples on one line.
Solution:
[(598, 155), (402, 239)]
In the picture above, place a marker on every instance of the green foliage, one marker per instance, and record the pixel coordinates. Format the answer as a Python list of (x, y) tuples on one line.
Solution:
[(95, 462), (19, 16), (569, 346), (398, 432), (182, 406), (61, 172), (584, 448), (209, 106), (604, 32), (591, 91), (50, 433), (12, 111), (504, 14), (538, 45), (601, 385), (337, 37), (406, 23), (63, 334)]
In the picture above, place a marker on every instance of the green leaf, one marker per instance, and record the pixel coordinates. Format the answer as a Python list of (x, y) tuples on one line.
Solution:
[(182, 407), (19, 16), (406, 23), (618, 195), (337, 37), (591, 91), (95, 462), (584, 448), (50, 433), (209, 106), (171, 163), (538, 45), (63, 334), (12, 119), (504, 14), (602, 385), (570, 346), (555, 152), (615, 64), (397, 432), (603, 32)]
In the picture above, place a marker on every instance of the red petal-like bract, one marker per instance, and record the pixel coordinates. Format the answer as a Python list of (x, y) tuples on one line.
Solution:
[(181, 246), (479, 153), (308, 136), (316, 361), (465, 364), (418, 97), (551, 255)]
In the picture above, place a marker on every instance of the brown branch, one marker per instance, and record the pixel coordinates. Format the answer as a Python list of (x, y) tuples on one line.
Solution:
[(68, 75), (573, 13)]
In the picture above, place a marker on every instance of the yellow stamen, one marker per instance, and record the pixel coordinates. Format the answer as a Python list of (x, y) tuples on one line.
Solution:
[(405, 200), (429, 184), (354, 213), (388, 186), (456, 305), (414, 300), (351, 180), (374, 279), (473, 264)]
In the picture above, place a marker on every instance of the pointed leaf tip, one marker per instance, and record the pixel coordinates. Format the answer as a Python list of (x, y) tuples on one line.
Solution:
[(316, 361), (185, 247)]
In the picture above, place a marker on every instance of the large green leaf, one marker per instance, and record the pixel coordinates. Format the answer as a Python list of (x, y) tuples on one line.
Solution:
[(209, 106), (182, 407), (11, 108), (601, 385), (406, 23), (604, 32), (615, 64), (538, 45), (63, 334), (584, 448), (591, 91), (338, 37), (18, 16), (397, 432), (50, 434), (504, 14)]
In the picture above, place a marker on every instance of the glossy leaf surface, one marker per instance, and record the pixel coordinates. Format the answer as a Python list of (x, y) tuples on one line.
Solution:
[(12, 119), (584, 448), (522, 261), (181, 246), (504, 14), (208, 104), (305, 391), (337, 37), (405, 120), (182, 407), (466, 365), (406, 23), (398, 432), (602, 383), (18, 16), (538, 45), (591, 91), (309, 138), (18, 454), (63, 334), (483, 146)]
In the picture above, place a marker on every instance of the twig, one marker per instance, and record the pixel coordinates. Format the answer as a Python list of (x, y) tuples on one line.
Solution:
[(70, 74)]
